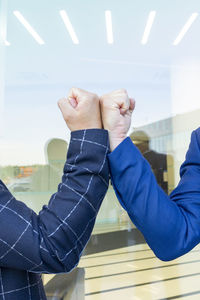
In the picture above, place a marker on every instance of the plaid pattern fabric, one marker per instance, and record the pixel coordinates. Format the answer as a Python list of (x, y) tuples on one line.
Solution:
[(53, 241)]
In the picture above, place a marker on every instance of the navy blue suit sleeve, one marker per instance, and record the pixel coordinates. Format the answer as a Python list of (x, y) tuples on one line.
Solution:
[(53, 241), (170, 224)]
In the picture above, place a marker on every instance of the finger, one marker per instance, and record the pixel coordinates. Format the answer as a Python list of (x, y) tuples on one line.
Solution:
[(122, 100), (74, 93), (132, 104), (77, 94), (65, 106), (73, 102)]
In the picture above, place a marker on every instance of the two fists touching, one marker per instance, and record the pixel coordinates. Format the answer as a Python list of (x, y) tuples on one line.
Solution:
[(85, 110)]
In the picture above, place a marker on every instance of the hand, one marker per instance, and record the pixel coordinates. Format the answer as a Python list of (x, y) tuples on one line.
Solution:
[(116, 110), (81, 110)]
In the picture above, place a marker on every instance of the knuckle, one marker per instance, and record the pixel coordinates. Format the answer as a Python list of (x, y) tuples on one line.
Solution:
[(124, 91), (72, 91), (121, 92), (95, 97)]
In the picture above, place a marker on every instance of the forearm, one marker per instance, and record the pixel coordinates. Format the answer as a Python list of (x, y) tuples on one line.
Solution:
[(170, 224), (83, 187), (54, 240)]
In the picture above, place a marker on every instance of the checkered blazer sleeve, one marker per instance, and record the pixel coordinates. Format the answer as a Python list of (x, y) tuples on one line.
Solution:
[(53, 241)]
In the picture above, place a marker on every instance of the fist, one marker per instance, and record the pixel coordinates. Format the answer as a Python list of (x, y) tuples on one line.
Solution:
[(116, 110), (81, 110)]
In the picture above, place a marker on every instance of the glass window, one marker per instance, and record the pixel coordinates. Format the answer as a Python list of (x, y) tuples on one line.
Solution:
[(161, 70)]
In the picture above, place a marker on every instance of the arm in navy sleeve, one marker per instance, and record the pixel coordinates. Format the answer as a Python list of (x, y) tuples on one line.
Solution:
[(54, 240), (170, 224)]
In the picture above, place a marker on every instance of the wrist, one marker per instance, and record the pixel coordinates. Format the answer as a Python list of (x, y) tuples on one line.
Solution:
[(115, 140), (84, 127)]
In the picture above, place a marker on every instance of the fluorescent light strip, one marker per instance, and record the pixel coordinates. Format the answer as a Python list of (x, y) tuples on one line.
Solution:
[(28, 27), (69, 26), (108, 17), (148, 27), (186, 27)]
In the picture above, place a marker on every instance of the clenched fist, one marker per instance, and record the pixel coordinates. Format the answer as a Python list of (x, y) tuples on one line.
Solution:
[(116, 110), (81, 110)]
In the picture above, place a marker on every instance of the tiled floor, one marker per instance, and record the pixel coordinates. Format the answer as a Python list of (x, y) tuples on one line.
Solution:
[(135, 273)]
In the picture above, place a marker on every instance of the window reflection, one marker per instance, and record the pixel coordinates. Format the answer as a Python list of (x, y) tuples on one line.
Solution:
[(33, 184), (162, 77), (158, 161)]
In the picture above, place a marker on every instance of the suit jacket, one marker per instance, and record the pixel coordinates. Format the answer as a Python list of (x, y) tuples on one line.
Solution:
[(53, 241), (170, 224)]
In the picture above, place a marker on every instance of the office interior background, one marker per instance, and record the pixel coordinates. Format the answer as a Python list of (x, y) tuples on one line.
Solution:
[(150, 48)]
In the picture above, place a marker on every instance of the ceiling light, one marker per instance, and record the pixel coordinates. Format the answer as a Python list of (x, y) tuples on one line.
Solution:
[(69, 26), (28, 27), (109, 28), (185, 28), (148, 27)]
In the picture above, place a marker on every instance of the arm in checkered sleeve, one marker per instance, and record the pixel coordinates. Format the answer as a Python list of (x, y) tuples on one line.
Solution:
[(54, 240), (170, 224)]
